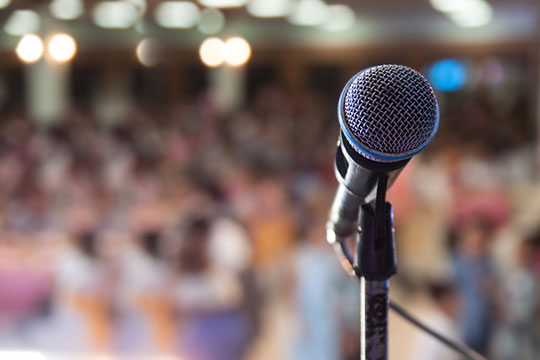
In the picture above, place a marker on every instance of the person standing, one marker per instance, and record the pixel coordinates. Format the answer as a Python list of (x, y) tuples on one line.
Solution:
[(474, 278)]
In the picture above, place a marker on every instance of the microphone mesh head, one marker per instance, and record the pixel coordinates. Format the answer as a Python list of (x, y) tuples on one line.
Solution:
[(388, 112)]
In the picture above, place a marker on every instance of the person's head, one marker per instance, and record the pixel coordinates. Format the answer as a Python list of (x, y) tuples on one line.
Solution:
[(86, 242), (473, 237), (193, 252), (201, 192), (150, 242), (529, 248)]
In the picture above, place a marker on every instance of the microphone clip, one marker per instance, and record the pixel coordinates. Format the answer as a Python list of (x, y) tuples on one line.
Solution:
[(375, 257)]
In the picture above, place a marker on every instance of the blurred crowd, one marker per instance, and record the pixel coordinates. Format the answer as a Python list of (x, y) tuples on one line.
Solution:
[(179, 235), (201, 234)]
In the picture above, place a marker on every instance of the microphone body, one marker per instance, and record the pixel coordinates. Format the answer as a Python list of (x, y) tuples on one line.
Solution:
[(357, 177)]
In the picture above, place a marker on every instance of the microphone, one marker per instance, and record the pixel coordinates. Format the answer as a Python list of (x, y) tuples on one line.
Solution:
[(387, 114)]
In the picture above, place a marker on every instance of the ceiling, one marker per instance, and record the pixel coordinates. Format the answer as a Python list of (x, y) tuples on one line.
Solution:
[(380, 21)]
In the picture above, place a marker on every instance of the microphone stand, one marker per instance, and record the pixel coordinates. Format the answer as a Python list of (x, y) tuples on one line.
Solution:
[(374, 262)]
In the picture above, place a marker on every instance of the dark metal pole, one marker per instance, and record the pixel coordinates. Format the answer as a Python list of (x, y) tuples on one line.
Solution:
[(373, 319)]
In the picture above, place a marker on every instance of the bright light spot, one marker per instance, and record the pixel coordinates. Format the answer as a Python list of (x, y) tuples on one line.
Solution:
[(448, 75), (449, 6), (237, 51), (148, 52), (224, 3), (177, 14), (212, 21), (115, 14), (139, 5), (22, 22), (471, 21), (4, 3), (22, 355), (340, 18), (66, 9), (466, 13), (478, 14), (212, 52), (61, 47), (30, 48), (268, 9), (309, 13)]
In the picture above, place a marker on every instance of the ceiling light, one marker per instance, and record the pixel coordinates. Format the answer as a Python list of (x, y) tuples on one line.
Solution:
[(66, 9), (309, 13), (212, 52), (224, 3), (448, 6), (115, 14), (237, 51), (177, 14), (4, 3), (148, 52), (478, 15), (340, 18), (212, 21), (22, 22), (471, 21), (30, 48), (268, 9), (62, 47), (139, 5)]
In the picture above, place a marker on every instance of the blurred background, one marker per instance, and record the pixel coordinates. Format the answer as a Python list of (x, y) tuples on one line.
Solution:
[(166, 169)]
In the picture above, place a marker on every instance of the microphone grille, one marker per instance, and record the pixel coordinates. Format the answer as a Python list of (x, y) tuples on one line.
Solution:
[(389, 112)]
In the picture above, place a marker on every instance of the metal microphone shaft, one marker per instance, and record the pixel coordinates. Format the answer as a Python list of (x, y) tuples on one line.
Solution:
[(373, 319)]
